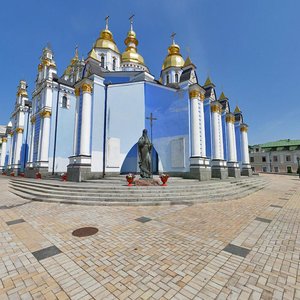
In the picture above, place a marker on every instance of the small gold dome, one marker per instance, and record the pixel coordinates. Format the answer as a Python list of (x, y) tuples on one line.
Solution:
[(174, 58), (130, 54), (106, 41)]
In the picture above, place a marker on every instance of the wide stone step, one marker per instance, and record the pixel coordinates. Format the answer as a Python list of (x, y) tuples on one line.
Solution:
[(181, 184), (114, 192), (182, 201), (132, 192), (140, 197)]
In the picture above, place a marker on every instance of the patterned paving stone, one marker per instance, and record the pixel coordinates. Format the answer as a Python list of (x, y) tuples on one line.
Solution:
[(263, 220), (277, 206), (236, 250), (143, 219), (13, 222), (178, 256), (46, 252)]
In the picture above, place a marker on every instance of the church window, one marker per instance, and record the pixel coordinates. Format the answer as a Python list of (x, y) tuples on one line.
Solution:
[(176, 78), (102, 61), (168, 79), (114, 63), (64, 103)]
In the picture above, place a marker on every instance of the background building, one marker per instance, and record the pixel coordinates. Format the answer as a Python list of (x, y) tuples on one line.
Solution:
[(279, 157)]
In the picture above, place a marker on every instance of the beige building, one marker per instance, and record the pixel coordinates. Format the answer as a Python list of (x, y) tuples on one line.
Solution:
[(279, 157)]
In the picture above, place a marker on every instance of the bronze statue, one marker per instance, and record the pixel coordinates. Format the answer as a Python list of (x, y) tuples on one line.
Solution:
[(144, 148)]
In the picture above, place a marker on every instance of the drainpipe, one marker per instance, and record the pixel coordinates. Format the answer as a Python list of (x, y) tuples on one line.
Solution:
[(56, 121)]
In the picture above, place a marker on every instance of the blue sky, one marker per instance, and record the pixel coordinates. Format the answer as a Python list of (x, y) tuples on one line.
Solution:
[(250, 49)]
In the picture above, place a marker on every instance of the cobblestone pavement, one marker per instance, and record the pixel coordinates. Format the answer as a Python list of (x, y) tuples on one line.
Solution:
[(240, 249)]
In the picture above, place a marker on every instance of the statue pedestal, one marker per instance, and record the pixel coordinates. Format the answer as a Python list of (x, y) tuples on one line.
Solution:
[(146, 182)]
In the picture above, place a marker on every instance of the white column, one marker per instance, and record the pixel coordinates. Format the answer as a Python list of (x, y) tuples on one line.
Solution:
[(195, 125), (75, 135), (202, 127), (44, 150), (216, 124), (198, 148), (32, 140), (244, 144), (86, 113), (10, 156), (232, 156), (18, 146), (3, 153)]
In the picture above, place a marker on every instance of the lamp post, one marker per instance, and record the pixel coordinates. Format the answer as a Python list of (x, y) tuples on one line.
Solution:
[(298, 170)]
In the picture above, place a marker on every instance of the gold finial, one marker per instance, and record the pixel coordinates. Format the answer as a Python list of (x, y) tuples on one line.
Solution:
[(106, 22), (208, 81), (173, 38), (222, 96), (131, 22), (237, 110), (187, 62), (76, 51)]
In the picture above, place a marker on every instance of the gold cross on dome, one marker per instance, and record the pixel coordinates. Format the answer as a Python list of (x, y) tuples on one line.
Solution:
[(173, 37), (106, 21), (131, 21)]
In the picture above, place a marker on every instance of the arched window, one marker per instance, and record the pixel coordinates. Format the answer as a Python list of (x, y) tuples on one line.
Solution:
[(176, 78), (64, 103), (114, 63), (168, 79), (102, 61)]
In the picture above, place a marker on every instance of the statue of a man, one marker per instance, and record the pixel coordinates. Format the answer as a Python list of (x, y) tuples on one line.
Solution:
[(145, 147)]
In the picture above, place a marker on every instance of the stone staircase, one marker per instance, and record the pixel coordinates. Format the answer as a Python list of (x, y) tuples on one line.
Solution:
[(114, 191)]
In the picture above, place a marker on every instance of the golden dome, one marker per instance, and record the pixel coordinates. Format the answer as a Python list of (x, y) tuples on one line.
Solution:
[(130, 54), (174, 58), (106, 41), (75, 59)]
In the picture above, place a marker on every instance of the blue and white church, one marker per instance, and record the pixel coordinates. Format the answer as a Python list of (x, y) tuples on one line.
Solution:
[(87, 122)]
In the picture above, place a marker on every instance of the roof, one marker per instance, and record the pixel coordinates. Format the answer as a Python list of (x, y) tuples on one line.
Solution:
[(281, 143)]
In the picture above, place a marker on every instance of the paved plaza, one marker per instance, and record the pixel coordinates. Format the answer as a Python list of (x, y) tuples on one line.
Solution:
[(238, 249)]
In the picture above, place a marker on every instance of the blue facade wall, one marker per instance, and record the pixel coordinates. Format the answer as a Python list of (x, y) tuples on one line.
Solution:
[(63, 130), (125, 121), (36, 137), (238, 141), (25, 142), (224, 131), (171, 108)]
